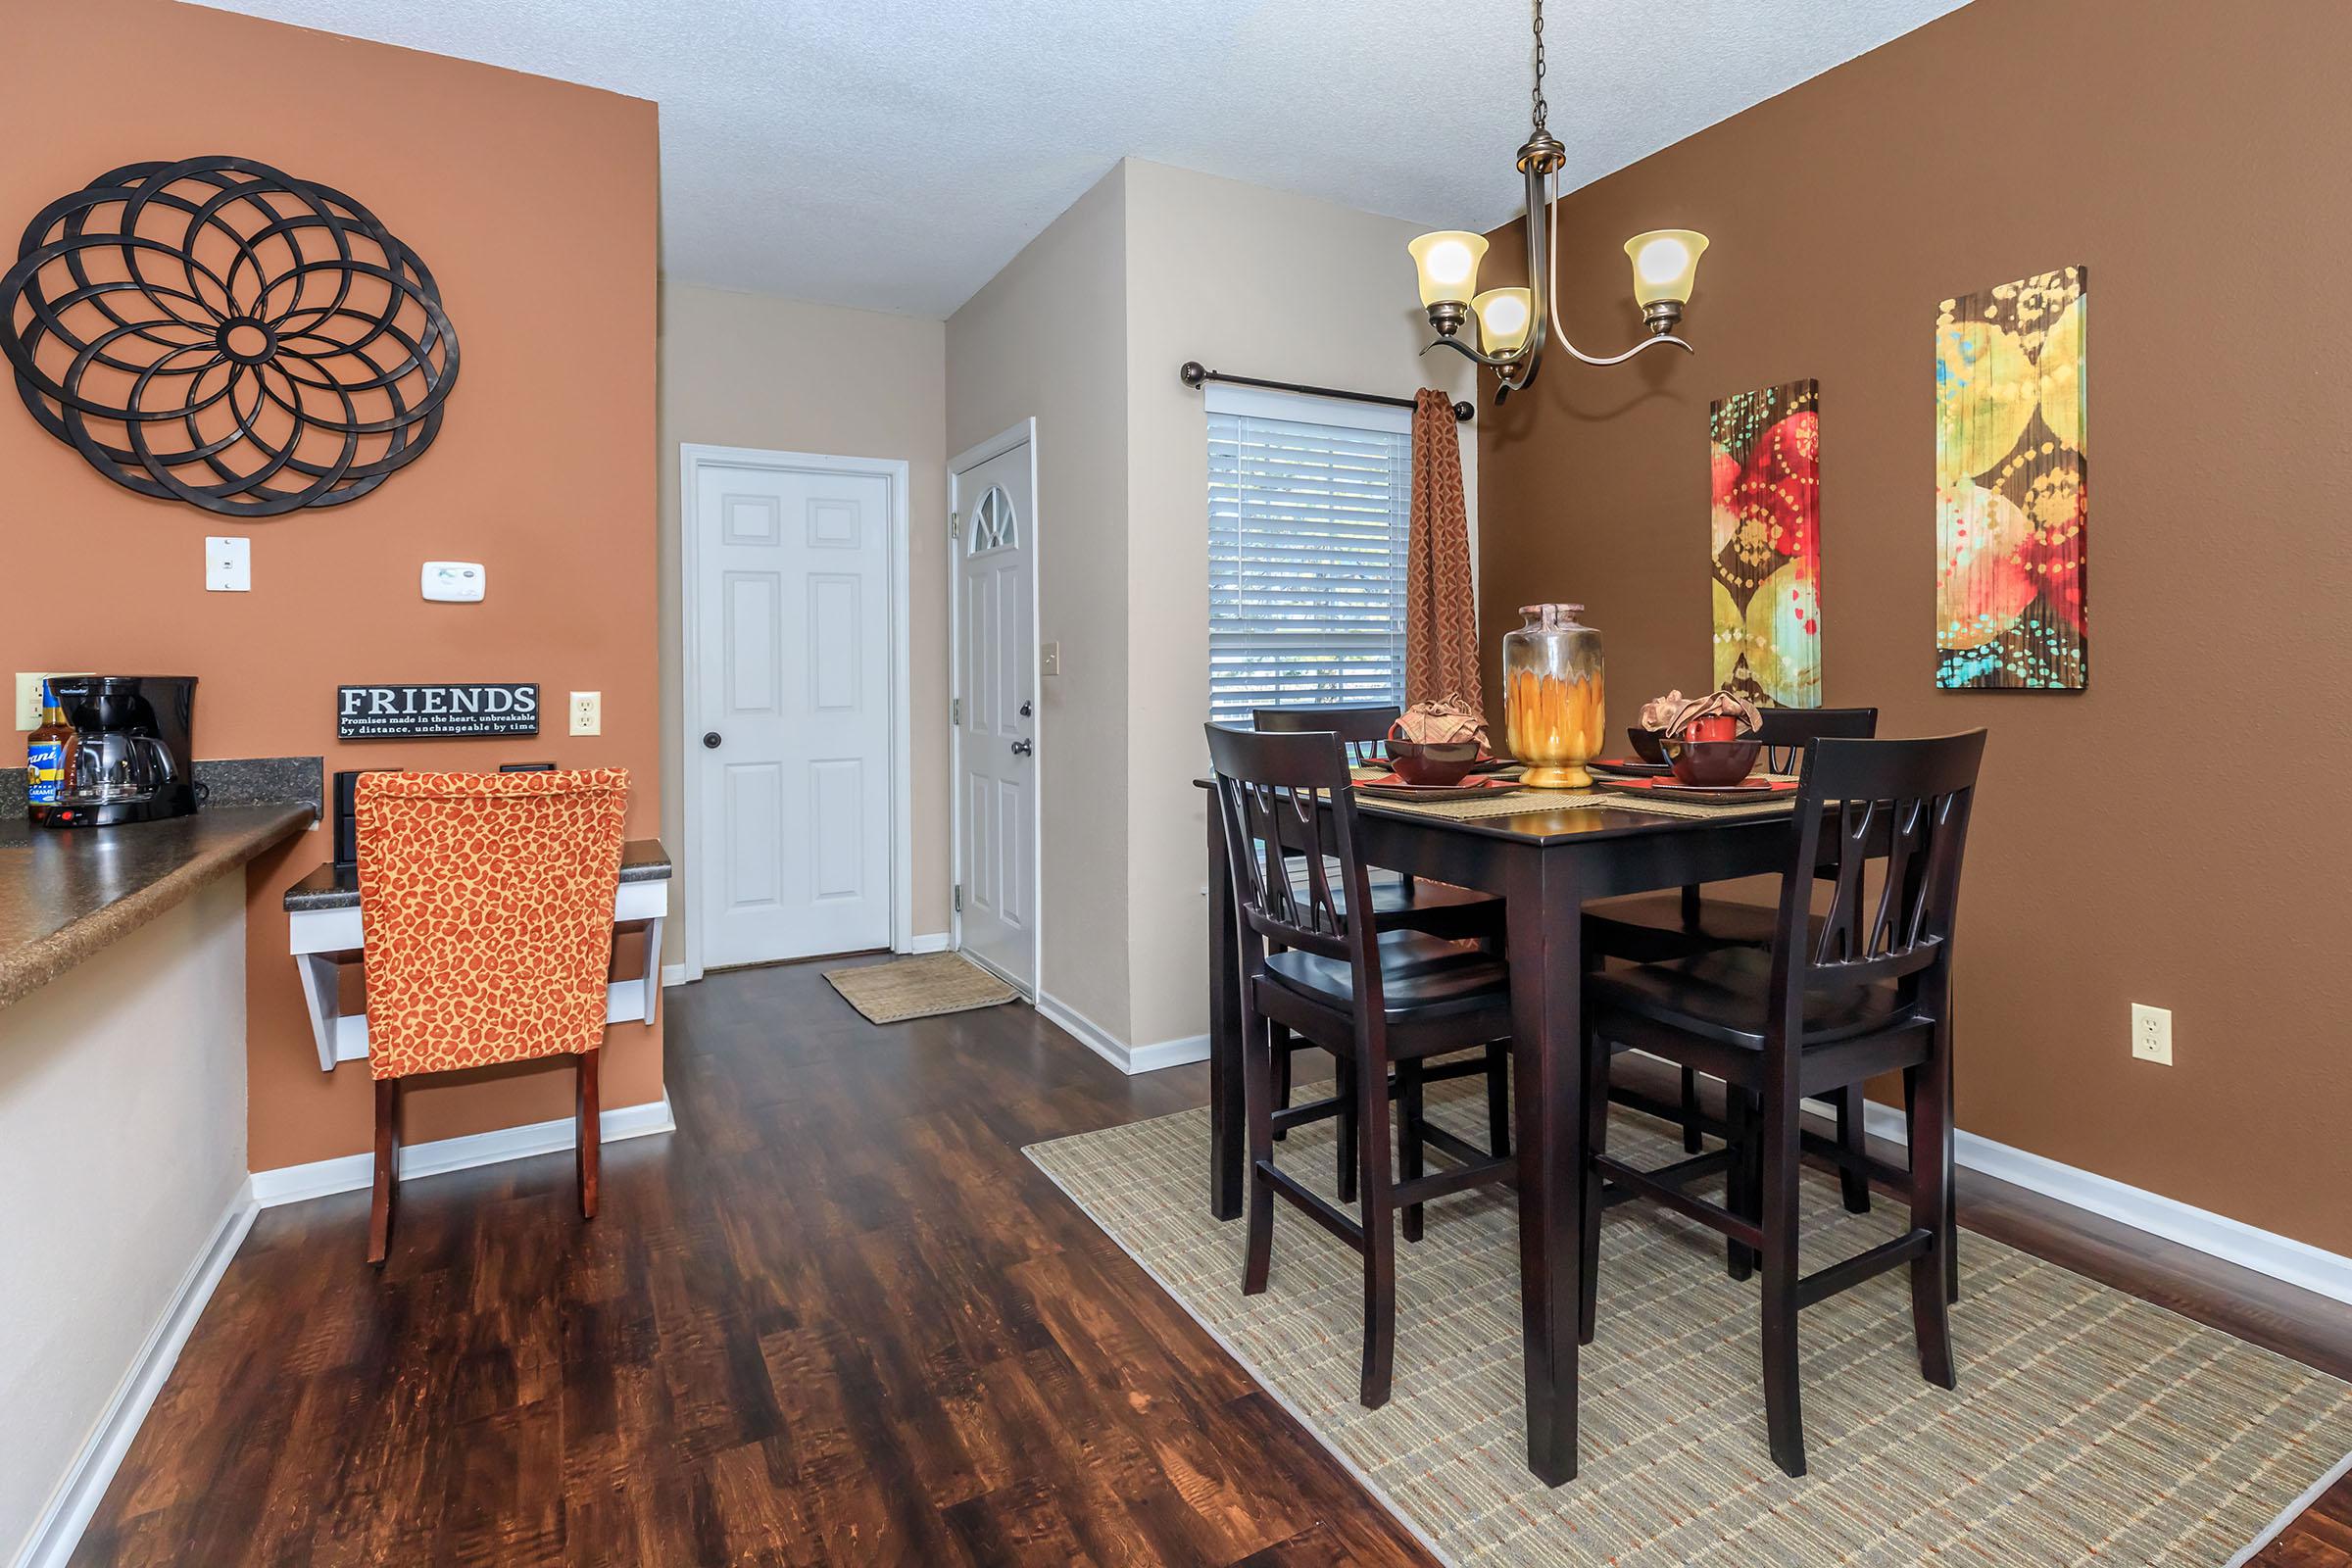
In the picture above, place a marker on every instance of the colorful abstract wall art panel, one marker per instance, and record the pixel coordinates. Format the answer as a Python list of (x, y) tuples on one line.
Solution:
[(1766, 451), (2012, 486)]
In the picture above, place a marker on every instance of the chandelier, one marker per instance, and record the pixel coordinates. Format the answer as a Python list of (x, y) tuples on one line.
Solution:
[(1514, 323)]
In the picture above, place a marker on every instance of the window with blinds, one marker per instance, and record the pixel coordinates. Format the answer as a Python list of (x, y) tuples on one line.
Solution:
[(1307, 548)]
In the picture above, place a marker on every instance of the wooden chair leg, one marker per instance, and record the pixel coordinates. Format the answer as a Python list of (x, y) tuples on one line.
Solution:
[(1596, 1139), (1380, 1236), (1692, 1143), (1951, 1230), (1739, 1182), (1257, 1092), (1281, 1038), (1784, 1415), (589, 1131), (1498, 1099), (1344, 1085), (1930, 1131), (1412, 1159), (387, 1170), (1853, 1181)]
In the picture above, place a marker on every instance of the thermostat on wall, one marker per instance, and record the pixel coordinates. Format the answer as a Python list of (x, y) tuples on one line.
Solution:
[(456, 582)]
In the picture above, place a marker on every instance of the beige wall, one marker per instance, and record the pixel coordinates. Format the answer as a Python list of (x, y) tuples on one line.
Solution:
[(121, 1146), (1047, 339), (1085, 330), (2169, 147), (1260, 283), (752, 370)]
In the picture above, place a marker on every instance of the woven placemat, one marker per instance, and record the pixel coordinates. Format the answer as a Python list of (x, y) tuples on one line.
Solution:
[(921, 987)]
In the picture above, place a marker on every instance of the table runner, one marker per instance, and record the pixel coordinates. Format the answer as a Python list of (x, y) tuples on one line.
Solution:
[(1522, 800)]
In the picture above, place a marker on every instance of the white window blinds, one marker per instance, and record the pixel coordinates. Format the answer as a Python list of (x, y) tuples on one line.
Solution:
[(1307, 545)]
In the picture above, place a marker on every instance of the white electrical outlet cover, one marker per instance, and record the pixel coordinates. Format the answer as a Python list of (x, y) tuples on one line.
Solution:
[(228, 566), (28, 699), (453, 582)]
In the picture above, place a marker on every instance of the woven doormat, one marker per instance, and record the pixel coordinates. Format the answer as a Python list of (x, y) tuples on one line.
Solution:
[(2090, 1427), (921, 987)]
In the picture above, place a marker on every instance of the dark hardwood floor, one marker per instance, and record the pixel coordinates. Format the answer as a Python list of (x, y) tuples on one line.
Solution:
[(836, 1319)]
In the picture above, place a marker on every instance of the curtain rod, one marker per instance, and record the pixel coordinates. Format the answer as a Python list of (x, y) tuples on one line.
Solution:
[(1192, 374)]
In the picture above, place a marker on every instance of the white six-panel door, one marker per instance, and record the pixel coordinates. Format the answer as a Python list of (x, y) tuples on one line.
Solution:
[(790, 754), (996, 734)]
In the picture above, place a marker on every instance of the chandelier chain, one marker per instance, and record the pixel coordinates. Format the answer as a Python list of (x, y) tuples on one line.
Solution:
[(1540, 108)]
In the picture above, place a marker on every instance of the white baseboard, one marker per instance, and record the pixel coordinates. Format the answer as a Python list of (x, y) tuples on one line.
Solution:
[(1129, 1059), (2281, 1258), (929, 941), (1168, 1054), (678, 974), (291, 1184), (85, 1481)]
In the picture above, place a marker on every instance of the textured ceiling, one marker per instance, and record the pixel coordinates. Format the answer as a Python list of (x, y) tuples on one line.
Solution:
[(894, 154)]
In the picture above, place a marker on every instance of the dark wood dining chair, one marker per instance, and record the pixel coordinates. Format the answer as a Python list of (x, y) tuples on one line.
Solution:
[(1648, 927), (1399, 903), (1863, 989), (1312, 965), (1361, 729)]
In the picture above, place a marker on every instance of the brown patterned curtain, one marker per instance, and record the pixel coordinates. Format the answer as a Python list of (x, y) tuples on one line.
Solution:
[(1441, 619)]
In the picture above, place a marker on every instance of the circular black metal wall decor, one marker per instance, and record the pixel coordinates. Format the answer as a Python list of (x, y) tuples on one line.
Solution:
[(219, 332)]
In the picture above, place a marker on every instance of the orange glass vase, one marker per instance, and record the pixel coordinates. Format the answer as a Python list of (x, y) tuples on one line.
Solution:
[(1553, 696)]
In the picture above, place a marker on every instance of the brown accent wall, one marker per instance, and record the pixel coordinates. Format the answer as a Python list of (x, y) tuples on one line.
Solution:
[(2181, 833), (534, 202)]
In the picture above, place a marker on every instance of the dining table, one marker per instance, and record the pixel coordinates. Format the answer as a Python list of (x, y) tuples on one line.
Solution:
[(1545, 858)]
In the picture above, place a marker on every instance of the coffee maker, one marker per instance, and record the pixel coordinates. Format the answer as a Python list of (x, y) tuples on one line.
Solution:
[(129, 757)]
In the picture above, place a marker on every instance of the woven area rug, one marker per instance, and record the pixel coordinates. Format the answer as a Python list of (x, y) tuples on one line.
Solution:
[(920, 987), (2089, 1426)]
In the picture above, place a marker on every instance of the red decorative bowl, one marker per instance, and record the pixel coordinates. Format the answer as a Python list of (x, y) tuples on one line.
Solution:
[(1713, 763), (1433, 761)]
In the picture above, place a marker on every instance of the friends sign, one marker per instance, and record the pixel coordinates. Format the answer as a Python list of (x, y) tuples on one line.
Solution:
[(471, 708)]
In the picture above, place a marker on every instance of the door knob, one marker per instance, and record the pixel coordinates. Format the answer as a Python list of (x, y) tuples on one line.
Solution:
[(1023, 748), (711, 739)]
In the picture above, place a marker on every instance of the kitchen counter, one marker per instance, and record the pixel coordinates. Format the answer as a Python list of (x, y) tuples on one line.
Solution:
[(65, 894), (337, 887)]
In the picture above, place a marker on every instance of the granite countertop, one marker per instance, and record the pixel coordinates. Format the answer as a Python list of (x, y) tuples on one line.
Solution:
[(65, 893), (337, 887)]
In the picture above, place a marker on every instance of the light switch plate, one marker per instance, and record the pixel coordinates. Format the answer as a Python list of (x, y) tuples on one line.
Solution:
[(1049, 659), (228, 566), (587, 713), (453, 582)]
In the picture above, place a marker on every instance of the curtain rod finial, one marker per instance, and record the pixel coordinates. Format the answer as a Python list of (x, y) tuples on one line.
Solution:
[(1463, 412), (1192, 373)]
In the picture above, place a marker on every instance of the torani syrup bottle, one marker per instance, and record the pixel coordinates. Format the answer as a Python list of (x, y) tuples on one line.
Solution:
[(46, 751)]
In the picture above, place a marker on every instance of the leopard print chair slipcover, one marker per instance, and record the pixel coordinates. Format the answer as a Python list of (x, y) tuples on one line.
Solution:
[(486, 907)]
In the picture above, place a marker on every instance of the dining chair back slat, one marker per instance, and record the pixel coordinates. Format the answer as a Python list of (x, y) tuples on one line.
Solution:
[(1785, 732), (1360, 730)]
